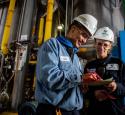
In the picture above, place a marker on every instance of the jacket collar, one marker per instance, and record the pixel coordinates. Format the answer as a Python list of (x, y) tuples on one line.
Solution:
[(67, 43)]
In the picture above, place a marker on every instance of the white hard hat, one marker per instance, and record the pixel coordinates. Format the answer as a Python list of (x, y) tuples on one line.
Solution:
[(104, 33), (88, 21)]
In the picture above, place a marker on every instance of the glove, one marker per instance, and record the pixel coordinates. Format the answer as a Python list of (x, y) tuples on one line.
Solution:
[(90, 77)]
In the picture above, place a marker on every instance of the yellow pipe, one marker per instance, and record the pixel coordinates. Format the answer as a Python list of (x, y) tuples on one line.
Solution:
[(8, 23), (48, 26), (40, 34)]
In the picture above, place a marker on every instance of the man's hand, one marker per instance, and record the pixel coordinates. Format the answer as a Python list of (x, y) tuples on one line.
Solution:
[(102, 95), (111, 86)]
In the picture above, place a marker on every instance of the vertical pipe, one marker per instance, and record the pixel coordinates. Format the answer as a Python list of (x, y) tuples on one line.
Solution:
[(124, 8), (40, 34), (66, 16), (7, 27), (22, 52), (1, 12), (48, 26), (72, 10), (15, 24), (2, 23)]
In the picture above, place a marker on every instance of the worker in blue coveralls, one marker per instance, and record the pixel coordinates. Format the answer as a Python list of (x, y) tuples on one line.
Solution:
[(107, 97), (59, 72)]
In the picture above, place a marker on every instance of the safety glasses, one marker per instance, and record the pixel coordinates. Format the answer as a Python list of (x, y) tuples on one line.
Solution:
[(102, 44)]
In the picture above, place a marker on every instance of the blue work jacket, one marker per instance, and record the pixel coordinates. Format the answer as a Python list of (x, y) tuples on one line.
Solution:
[(58, 77)]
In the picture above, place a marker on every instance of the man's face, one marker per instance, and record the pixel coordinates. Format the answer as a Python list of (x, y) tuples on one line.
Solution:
[(78, 36), (103, 48)]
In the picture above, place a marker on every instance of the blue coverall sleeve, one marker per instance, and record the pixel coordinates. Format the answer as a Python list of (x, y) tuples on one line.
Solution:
[(49, 73)]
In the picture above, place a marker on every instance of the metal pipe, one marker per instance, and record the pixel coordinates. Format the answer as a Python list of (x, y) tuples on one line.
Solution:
[(7, 27), (1, 62), (2, 22), (15, 25), (22, 53), (72, 10), (48, 25), (21, 20), (1, 13), (66, 16)]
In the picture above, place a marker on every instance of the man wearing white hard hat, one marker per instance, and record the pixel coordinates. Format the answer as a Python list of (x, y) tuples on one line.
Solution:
[(58, 70), (106, 96)]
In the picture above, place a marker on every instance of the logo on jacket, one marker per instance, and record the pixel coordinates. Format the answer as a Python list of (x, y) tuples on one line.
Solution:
[(112, 67)]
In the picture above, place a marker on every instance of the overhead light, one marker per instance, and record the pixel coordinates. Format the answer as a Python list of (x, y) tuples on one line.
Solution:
[(60, 27)]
